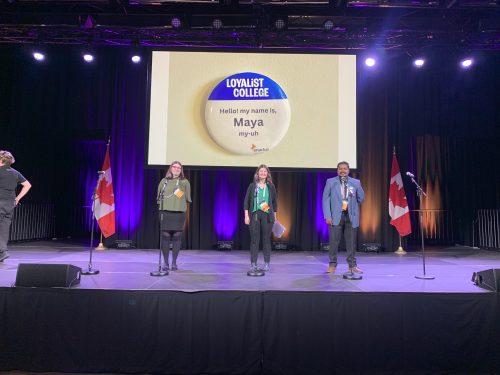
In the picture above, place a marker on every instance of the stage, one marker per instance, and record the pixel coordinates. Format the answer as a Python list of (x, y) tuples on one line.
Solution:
[(202, 270), (209, 317)]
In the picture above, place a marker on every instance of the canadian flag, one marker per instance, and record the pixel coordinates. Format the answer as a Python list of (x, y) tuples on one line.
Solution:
[(104, 205), (398, 205)]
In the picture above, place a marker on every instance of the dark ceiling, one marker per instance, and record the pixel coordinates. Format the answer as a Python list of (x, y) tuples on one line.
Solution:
[(354, 25)]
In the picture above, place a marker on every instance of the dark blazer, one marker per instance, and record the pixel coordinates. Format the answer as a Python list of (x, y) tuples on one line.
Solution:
[(250, 197)]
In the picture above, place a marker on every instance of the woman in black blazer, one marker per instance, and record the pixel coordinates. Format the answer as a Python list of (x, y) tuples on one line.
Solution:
[(260, 207)]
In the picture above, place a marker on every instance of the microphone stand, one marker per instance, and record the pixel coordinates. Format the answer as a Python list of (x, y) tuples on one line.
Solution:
[(421, 194), (91, 271), (160, 272)]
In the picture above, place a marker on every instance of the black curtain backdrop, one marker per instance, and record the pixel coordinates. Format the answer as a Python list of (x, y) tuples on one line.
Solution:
[(444, 123)]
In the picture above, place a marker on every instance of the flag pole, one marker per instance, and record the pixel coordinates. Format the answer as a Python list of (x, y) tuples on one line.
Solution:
[(400, 250)]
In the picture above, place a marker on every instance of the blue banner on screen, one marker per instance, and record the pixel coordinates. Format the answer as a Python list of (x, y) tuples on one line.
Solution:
[(247, 86)]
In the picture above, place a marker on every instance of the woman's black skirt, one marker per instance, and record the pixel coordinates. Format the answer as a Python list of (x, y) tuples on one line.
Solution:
[(172, 220)]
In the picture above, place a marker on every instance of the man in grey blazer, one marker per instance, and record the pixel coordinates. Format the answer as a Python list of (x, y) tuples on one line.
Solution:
[(341, 199)]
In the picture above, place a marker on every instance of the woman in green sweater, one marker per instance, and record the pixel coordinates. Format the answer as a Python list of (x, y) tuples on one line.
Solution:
[(174, 191)]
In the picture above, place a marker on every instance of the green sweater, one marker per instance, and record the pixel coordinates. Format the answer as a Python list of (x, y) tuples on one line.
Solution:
[(170, 201)]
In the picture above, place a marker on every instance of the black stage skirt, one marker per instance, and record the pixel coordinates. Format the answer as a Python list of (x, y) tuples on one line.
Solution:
[(172, 220)]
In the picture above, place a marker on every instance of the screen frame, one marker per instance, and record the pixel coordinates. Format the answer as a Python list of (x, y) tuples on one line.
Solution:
[(273, 50)]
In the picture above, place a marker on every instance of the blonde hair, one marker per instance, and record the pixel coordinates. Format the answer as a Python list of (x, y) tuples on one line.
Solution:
[(6, 157)]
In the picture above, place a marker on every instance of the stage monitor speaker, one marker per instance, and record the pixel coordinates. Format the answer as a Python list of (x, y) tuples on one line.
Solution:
[(487, 279), (47, 275)]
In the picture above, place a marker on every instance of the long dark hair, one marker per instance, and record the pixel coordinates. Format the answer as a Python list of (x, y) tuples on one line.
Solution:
[(169, 174), (269, 179)]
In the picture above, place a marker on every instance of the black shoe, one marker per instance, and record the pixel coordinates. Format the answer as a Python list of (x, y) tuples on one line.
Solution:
[(165, 267), (174, 267), (3, 255)]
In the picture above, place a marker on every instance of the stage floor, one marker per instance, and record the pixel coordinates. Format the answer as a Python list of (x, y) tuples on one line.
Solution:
[(209, 270)]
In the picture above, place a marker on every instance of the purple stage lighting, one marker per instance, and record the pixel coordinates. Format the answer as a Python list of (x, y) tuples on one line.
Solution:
[(136, 59), (38, 56), (227, 203)]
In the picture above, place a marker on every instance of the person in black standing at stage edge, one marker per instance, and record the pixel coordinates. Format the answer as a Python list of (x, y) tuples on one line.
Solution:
[(176, 192), (9, 180), (341, 199), (260, 207)]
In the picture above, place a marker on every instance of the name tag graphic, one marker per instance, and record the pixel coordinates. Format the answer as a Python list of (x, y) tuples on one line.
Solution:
[(264, 206), (178, 193), (247, 114), (344, 205)]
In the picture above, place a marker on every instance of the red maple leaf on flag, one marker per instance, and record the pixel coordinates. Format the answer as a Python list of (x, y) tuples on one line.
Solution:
[(105, 192)]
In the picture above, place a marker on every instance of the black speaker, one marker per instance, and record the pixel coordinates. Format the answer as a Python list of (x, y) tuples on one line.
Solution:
[(47, 275), (487, 279)]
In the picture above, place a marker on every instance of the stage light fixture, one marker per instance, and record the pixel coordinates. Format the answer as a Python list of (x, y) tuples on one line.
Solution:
[(86, 22), (136, 59), (466, 63), (176, 22), (280, 245), (419, 62), (124, 244), (38, 56), (88, 57), (224, 245), (217, 23), (328, 25), (279, 24), (372, 247), (370, 62)]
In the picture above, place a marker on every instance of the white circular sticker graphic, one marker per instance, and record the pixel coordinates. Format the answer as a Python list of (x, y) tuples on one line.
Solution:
[(247, 113)]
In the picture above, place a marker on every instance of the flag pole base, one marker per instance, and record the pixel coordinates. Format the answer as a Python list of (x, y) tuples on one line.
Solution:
[(400, 251), (90, 272), (100, 247), (425, 277), (159, 273)]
